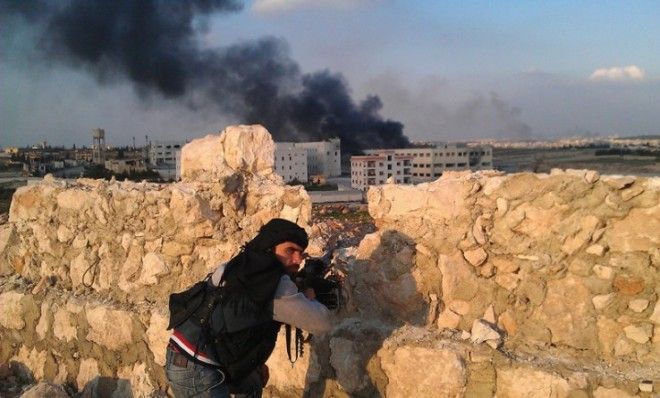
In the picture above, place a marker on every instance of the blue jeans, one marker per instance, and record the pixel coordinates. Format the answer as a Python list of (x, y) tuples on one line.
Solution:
[(201, 381)]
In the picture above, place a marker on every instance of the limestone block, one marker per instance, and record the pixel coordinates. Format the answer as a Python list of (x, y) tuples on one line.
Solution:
[(138, 384), (153, 266), (588, 225), (237, 148), (26, 204), (73, 199), (631, 193), (602, 301), (603, 272), (345, 360), (504, 264), (176, 249), (158, 335), (502, 206), (45, 389), (448, 319), (88, 370), (602, 392), (458, 278), (475, 257), (8, 244), (483, 331), (63, 327), (638, 231), (566, 311), (639, 333), (13, 306), (646, 386), (34, 359), (423, 372), (596, 250), (638, 305), (109, 328), (507, 280), (64, 234), (43, 326), (478, 231), (591, 176), (623, 347), (609, 332), (460, 307), (507, 321), (530, 383)]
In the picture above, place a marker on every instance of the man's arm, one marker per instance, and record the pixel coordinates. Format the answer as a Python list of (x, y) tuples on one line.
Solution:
[(293, 308)]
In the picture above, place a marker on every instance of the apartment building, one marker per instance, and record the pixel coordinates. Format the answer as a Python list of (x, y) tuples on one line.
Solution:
[(291, 162), (430, 161), (322, 158), (164, 152), (379, 165)]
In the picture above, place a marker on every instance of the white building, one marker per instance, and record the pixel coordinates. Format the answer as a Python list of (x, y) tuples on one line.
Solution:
[(429, 162), (163, 153), (379, 165), (323, 158), (291, 162)]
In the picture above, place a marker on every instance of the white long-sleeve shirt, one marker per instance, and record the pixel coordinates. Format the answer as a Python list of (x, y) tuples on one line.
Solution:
[(292, 307)]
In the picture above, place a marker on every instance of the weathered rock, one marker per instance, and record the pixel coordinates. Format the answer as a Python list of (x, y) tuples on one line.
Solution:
[(345, 358), (12, 307), (45, 389), (103, 331), (88, 370), (636, 232), (158, 335), (638, 305), (530, 383), (602, 392), (422, 372), (483, 331), (476, 257), (566, 311), (639, 333)]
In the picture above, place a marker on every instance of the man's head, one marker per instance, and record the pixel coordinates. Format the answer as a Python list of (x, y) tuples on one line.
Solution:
[(290, 255), (285, 239)]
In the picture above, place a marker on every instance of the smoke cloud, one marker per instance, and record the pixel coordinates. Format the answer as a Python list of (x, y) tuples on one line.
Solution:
[(152, 44)]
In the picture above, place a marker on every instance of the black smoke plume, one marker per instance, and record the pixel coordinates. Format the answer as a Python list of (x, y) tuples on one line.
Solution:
[(153, 44)]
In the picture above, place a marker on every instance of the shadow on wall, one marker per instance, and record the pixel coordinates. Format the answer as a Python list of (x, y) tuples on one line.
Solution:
[(381, 295), (16, 379)]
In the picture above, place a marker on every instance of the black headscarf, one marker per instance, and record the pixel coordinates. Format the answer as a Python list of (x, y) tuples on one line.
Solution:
[(255, 272)]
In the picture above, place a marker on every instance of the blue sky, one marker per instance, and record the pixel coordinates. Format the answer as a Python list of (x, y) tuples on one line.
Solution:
[(449, 70)]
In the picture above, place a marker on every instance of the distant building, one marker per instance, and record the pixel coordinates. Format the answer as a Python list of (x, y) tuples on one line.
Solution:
[(291, 162), (163, 153), (379, 165), (323, 158), (431, 161), (125, 166)]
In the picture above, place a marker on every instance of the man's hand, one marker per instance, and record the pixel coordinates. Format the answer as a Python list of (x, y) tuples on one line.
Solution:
[(309, 293)]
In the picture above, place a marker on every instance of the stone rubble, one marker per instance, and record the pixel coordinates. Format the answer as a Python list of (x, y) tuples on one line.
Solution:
[(477, 284)]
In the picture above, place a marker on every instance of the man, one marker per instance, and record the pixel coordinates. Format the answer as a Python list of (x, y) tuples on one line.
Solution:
[(211, 354)]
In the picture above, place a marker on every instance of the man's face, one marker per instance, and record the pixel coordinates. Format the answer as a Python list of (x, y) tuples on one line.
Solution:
[(290, 255)]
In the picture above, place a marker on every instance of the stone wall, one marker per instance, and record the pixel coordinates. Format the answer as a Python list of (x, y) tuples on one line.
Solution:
[(87, 266), (474, 285), (521, 285)]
